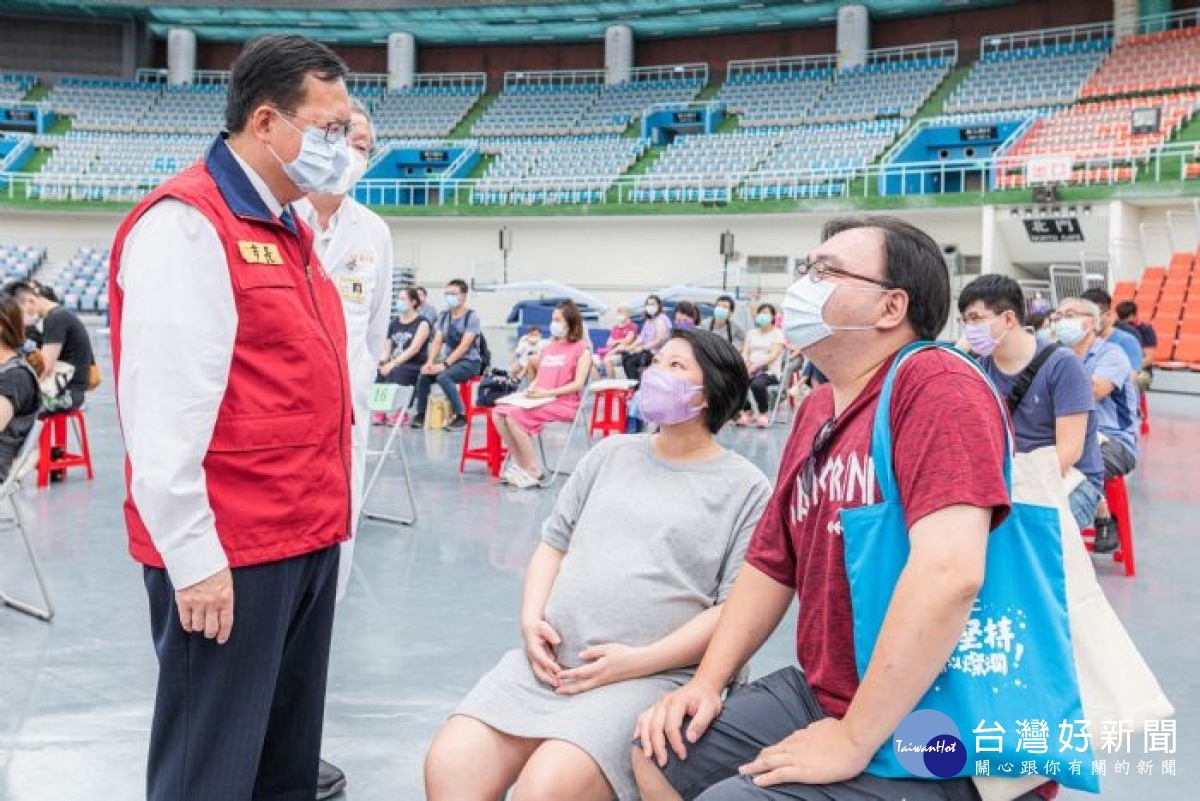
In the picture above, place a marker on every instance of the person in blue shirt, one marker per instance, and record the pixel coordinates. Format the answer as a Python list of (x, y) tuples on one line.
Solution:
[(1109, 330), (1057, 409), (1076, 325)]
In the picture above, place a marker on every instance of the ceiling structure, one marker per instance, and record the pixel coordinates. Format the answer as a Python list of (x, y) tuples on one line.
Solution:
[(466, 22)]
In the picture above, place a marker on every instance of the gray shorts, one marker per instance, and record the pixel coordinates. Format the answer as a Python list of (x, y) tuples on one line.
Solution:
[(1118, 460), (762, 714)]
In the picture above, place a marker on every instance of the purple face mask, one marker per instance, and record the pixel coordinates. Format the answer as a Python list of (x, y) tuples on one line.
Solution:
[(666, 399)]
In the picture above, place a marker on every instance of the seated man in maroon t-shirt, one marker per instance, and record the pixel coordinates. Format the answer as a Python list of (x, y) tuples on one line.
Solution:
[(874, 286)]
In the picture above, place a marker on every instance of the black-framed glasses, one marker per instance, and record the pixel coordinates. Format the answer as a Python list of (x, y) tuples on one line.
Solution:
[(808, 473), (334, 132), (816, 270)]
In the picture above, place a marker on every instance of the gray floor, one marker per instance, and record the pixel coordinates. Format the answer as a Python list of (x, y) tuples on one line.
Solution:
[(431, 608)]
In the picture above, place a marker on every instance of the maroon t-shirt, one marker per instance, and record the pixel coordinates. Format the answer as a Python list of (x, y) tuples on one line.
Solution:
[(948, 449)]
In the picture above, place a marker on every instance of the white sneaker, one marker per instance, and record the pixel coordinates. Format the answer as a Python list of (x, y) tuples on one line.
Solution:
[(522, 480)]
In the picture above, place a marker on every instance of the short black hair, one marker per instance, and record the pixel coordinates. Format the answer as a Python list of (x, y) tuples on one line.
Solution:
[(998, 293), (19, 289), (271, 69), (1035, 321), (726, 381), (912, 262), (1099, 297), (767, 305), (458, 284), (726, 299), (688, 308), (1126, 310)]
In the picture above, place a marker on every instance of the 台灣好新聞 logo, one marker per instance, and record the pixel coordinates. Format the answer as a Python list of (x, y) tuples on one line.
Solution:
[(927, 744)]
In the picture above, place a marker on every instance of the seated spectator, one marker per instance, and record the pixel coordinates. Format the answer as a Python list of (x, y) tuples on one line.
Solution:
[(656, 330), (427, 309), (65, 341), (1127, 321), (1057, 408), (1075, 325), (1109, 330), (566, 362), (620, 597), (407, 345), (524, 362), (722, 322), (686, 314), (20, 398), (454, 356), (620, 340), (763, 354), (1039, 326)]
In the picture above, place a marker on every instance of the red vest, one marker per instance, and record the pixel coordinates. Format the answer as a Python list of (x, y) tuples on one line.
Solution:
[(278, 465)]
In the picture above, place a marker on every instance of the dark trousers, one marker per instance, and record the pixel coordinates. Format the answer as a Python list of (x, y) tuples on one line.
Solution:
[(634, 363), (448, 380), (759, 383), (242, 720)]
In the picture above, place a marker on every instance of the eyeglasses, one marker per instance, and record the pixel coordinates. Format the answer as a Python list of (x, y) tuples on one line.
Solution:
[(973, 319), (816, 270), (334, 132), (808, 473), (1068, 315)]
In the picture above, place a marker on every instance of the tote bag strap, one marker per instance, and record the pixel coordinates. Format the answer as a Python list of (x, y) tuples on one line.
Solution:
[(881, 431)]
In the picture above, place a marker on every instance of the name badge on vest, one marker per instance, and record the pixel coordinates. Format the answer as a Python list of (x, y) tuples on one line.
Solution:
[(259, 253)]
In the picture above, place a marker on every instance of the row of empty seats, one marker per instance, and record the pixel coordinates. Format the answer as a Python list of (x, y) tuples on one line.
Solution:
[(894, 89), (532, 171), (14, 86), (1028, 76), (1152, 62), (82, 283), (18, 262), (421, 111), (1170, 299)]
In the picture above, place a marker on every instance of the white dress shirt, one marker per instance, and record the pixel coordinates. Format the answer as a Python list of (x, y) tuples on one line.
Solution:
[(177, 337), (355, 249)]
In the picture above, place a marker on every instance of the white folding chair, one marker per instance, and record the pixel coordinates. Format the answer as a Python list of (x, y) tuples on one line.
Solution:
[(791, 366), (390, 399), (548, 478), (22, 466)]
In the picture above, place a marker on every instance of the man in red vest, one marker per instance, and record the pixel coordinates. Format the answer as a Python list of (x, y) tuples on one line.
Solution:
[(230, 356)]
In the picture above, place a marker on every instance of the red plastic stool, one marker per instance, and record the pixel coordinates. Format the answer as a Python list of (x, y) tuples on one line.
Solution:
[(492, 452), (54, 436), (610, 412), (1117, 496), (1144, 411)]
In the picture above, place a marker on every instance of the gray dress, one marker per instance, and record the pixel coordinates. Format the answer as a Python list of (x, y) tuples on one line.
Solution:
[(648, 545)]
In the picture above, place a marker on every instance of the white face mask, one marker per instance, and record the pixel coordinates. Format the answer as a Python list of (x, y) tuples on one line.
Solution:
[(804, 312), (558, 330), (320, 166), (353, 174)]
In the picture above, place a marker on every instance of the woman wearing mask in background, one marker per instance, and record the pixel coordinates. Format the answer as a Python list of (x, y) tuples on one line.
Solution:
[(655, 332), (620, 340), (722, 322), (406, 346), (686, 314), (620, 597), (763, 353), (562, 374), (20, 398)]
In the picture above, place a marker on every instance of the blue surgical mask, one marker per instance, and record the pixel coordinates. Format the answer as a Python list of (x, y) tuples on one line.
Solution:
[(1069, 331), (720, 313), (320, 166), (452, 301), (1043, 335), (764, 319)]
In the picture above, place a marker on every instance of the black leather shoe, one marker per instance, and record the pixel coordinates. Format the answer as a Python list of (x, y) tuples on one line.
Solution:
[(1106, 535), (330, 781)]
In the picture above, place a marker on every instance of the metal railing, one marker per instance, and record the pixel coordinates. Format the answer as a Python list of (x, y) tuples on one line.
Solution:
[(1047, 37)]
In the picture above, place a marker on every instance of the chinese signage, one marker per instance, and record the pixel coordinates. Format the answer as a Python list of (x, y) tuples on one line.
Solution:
[(1048, 170), (1053, 229)]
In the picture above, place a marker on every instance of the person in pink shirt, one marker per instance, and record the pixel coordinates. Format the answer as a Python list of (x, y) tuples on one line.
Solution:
[(566, 362), (620, 338)]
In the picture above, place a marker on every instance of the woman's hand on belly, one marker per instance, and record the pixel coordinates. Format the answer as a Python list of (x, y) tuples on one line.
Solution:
[(606, 664), (540, 641)]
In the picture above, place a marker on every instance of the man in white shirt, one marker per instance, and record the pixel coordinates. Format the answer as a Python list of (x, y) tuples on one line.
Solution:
[(229, 348), (355, 245)]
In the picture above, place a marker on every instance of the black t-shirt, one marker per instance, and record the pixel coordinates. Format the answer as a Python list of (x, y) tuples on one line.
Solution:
[(1130, 328), (402, 334), (19, 385), (63, 327)]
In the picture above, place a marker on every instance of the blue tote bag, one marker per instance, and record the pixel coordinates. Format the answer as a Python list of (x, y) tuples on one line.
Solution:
[(1010, 687)]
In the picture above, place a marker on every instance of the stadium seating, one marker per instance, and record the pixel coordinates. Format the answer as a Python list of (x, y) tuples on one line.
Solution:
[(128, 164), (774, 98), (532, 171), (422, 111), (1152, 62), (1023, 77), (620, 104), (704, 168), (82, 283), (103, 105), (1169, 298), (536, 110), (895, 89), (818, 160), (18, 262), (15, 86)]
